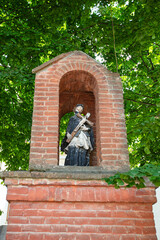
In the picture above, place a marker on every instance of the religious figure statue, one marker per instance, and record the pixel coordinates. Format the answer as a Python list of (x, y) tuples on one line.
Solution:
[(79, 140)]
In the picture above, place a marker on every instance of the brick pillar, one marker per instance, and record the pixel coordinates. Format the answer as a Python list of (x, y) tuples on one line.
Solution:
[(44, 145)]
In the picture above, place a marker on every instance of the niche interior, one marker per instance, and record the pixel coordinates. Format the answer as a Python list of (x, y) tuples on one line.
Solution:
[(79, 87)]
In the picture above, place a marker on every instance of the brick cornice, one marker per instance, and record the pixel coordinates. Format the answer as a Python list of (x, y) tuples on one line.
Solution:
[(84, 174)]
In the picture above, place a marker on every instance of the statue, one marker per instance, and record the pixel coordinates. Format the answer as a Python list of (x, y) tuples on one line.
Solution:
[(79, 140)]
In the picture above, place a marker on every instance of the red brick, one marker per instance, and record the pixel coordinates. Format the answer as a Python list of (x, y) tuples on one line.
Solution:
[(37, 134), (142, 192), (109, 157), (31, 212), (35, 156), (36, 228), (105, 141), (20, 205), (14, 228), (18, 190), (50, 133), (38, 128), (42, 84), (50, 156), (106, 151), (51, 150), (15, 212), (18, 220), (120, 151), (38, 113), (108, 145), (10, 181), (51, 121), (39, 118), (116, 92), (105, 131), (128, 237), (146, 222), (149, 230), (52, 103), (36, 220), (37, 150), (38, 193), (38, 103), (119, 130), (111, 135), (51, 162), (149, 237), (104, 229), (82, 237), (52, 139), (17, 236), (36, 236), (38, 139), (103, 213), (54, 236), (49, 144), (16, 197)]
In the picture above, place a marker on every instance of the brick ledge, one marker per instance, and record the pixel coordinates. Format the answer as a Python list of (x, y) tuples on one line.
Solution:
[(66, 172)]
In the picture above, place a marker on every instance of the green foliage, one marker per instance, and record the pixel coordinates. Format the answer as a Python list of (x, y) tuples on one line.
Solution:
[(1, 212), (15, 118), (136, 176), (37, 31), (63, 125)]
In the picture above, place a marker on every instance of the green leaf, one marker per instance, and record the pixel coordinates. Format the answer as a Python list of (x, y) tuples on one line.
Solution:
[(146, 149)]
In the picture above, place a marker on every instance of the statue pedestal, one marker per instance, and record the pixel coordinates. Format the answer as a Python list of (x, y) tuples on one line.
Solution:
[(44, 205)]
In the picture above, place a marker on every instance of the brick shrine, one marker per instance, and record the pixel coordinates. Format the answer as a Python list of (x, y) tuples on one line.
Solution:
[(54, 202)]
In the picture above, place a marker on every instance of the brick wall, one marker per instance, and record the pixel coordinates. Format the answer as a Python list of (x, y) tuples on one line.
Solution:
[(75, 74), (78, 210)]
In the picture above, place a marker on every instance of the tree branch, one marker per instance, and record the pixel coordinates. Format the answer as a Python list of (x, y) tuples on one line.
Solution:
[(145, 64), (140, 102), (151, 63), (133, 60), (139, 94), (157, 44)]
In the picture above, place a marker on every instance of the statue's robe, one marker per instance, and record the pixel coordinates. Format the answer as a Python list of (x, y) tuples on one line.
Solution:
[(78, 150)]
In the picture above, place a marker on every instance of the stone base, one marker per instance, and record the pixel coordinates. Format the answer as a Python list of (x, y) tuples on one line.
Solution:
[(3, 229), (51, 208)]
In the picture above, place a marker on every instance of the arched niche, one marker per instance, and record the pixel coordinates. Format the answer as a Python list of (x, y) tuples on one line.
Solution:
[(60, 84), (79, 87)]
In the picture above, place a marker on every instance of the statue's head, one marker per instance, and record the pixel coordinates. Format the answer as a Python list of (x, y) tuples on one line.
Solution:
[(79, 108)]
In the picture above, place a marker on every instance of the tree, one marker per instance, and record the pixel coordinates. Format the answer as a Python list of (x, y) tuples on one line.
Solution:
[(125, 34)]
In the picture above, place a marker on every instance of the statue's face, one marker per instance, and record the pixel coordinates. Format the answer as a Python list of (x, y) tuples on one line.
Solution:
[(79, 109)]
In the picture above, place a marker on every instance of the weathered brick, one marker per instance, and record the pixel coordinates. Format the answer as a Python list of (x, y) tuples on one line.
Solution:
[(10, 181), (14, 228), (17, 220), (38, 194), (17, 236), (17, 190), (36, 236)]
